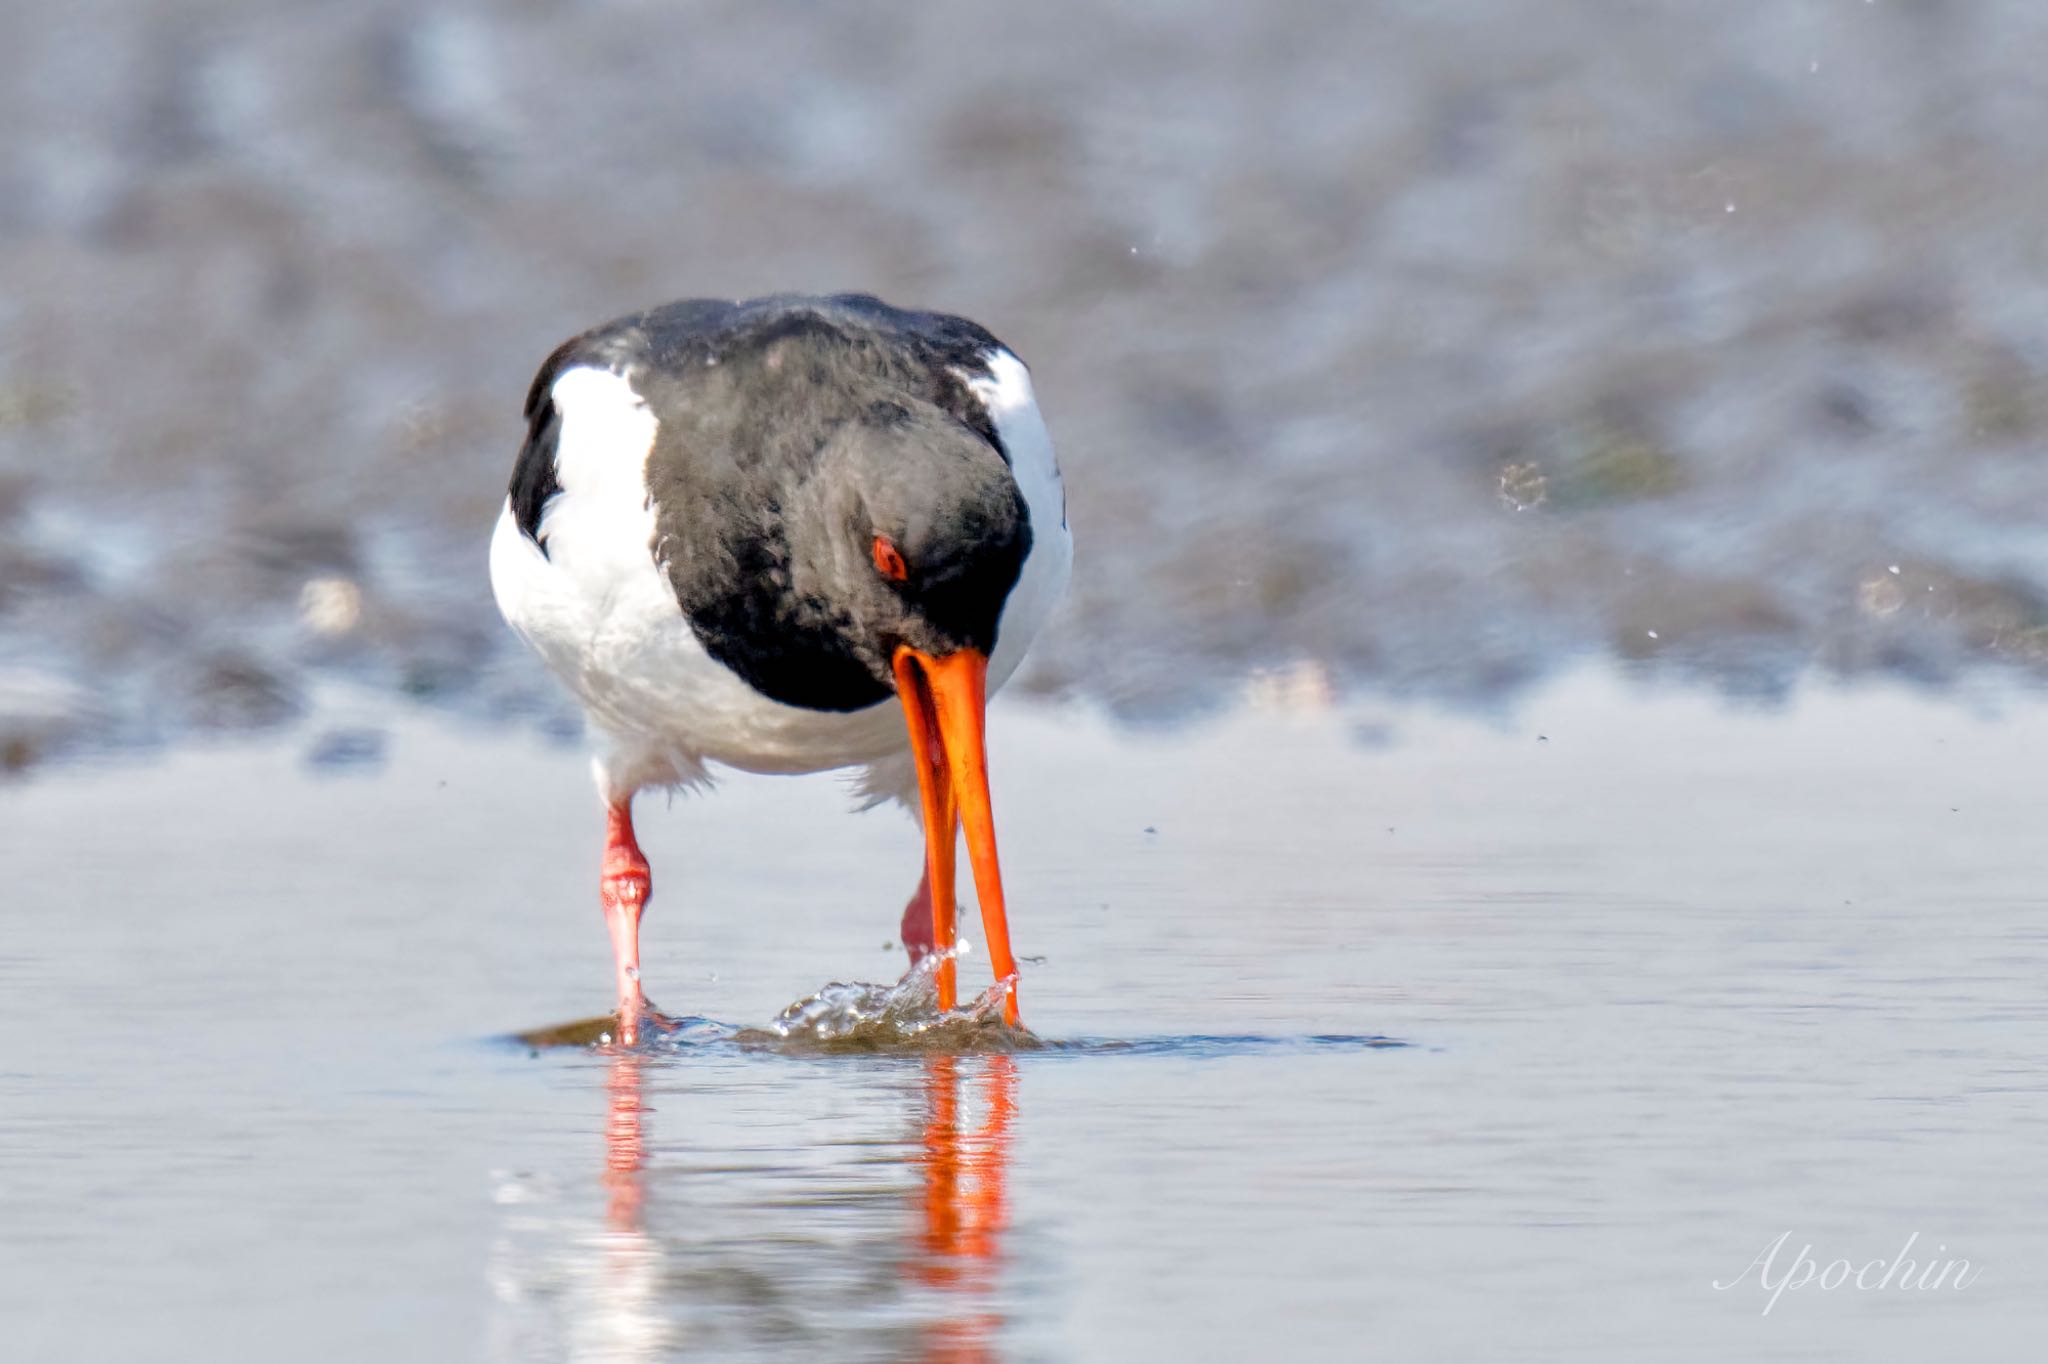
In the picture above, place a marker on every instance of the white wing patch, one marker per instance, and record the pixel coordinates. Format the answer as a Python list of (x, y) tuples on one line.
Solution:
[(1006, 392), (601, 525)]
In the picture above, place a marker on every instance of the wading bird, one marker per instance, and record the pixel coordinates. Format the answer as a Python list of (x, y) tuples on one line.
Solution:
[(787, 535)]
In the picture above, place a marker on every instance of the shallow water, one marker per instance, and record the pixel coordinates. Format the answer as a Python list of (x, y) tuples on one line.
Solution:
[(1672, 979)]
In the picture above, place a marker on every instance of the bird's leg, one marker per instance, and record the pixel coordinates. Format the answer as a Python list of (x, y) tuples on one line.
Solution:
[(623, 891), (929, 921), (917, 920)]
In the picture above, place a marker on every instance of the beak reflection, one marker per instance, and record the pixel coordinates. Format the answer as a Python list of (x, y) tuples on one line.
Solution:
[(965, 1203), (952, 1257)]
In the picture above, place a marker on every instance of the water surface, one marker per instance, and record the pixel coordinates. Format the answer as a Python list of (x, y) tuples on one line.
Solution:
[(1671, 979)]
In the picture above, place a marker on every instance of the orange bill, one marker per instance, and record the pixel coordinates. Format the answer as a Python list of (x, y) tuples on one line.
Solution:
[(945, 702)]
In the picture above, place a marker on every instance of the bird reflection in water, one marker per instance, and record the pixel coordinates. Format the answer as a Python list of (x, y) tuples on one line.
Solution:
[(965, 1207), (952, 1257), (630, 1323), (625, 1146)]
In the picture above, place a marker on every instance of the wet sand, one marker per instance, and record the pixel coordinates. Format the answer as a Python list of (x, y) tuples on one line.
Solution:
[(1673, 978), (1435, 345)]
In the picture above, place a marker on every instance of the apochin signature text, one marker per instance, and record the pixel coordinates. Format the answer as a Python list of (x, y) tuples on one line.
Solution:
[(1872, 1276)]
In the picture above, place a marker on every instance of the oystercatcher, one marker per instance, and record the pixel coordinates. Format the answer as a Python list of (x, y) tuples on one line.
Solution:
[(787, 535)]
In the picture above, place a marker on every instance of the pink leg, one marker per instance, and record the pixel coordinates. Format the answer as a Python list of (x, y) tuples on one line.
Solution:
[(917, 921), (623, 891)]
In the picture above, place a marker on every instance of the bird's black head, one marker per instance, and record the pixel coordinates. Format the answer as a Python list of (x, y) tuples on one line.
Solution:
[(815, 529), (916, 535)]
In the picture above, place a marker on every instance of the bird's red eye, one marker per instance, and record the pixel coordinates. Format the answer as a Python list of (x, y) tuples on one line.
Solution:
[(889, 560)]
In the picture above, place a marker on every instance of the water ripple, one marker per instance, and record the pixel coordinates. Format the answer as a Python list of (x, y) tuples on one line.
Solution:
[(865, 1019)]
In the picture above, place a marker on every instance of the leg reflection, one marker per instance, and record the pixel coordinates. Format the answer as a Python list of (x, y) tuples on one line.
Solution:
[(625, 1148), (965, 1209), (625, 1320)]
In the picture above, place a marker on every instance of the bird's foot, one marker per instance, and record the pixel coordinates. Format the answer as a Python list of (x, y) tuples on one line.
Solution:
[(639, 1022)]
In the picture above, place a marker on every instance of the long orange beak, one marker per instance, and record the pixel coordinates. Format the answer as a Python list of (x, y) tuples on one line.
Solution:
[(945, 703)]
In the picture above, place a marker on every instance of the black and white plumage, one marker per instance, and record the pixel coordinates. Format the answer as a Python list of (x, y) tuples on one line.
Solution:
[(646, 549), (697, 525)]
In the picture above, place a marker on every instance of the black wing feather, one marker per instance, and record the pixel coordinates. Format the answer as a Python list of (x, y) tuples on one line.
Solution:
[(533, 475), (678, 336)]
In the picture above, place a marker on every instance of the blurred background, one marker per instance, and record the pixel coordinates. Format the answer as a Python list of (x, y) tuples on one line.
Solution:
[(1545, 406), (1411, 348)]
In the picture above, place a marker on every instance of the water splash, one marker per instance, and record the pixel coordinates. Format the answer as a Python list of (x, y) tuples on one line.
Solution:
[(903, 1017), (860, 1018), (659, 1032)]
